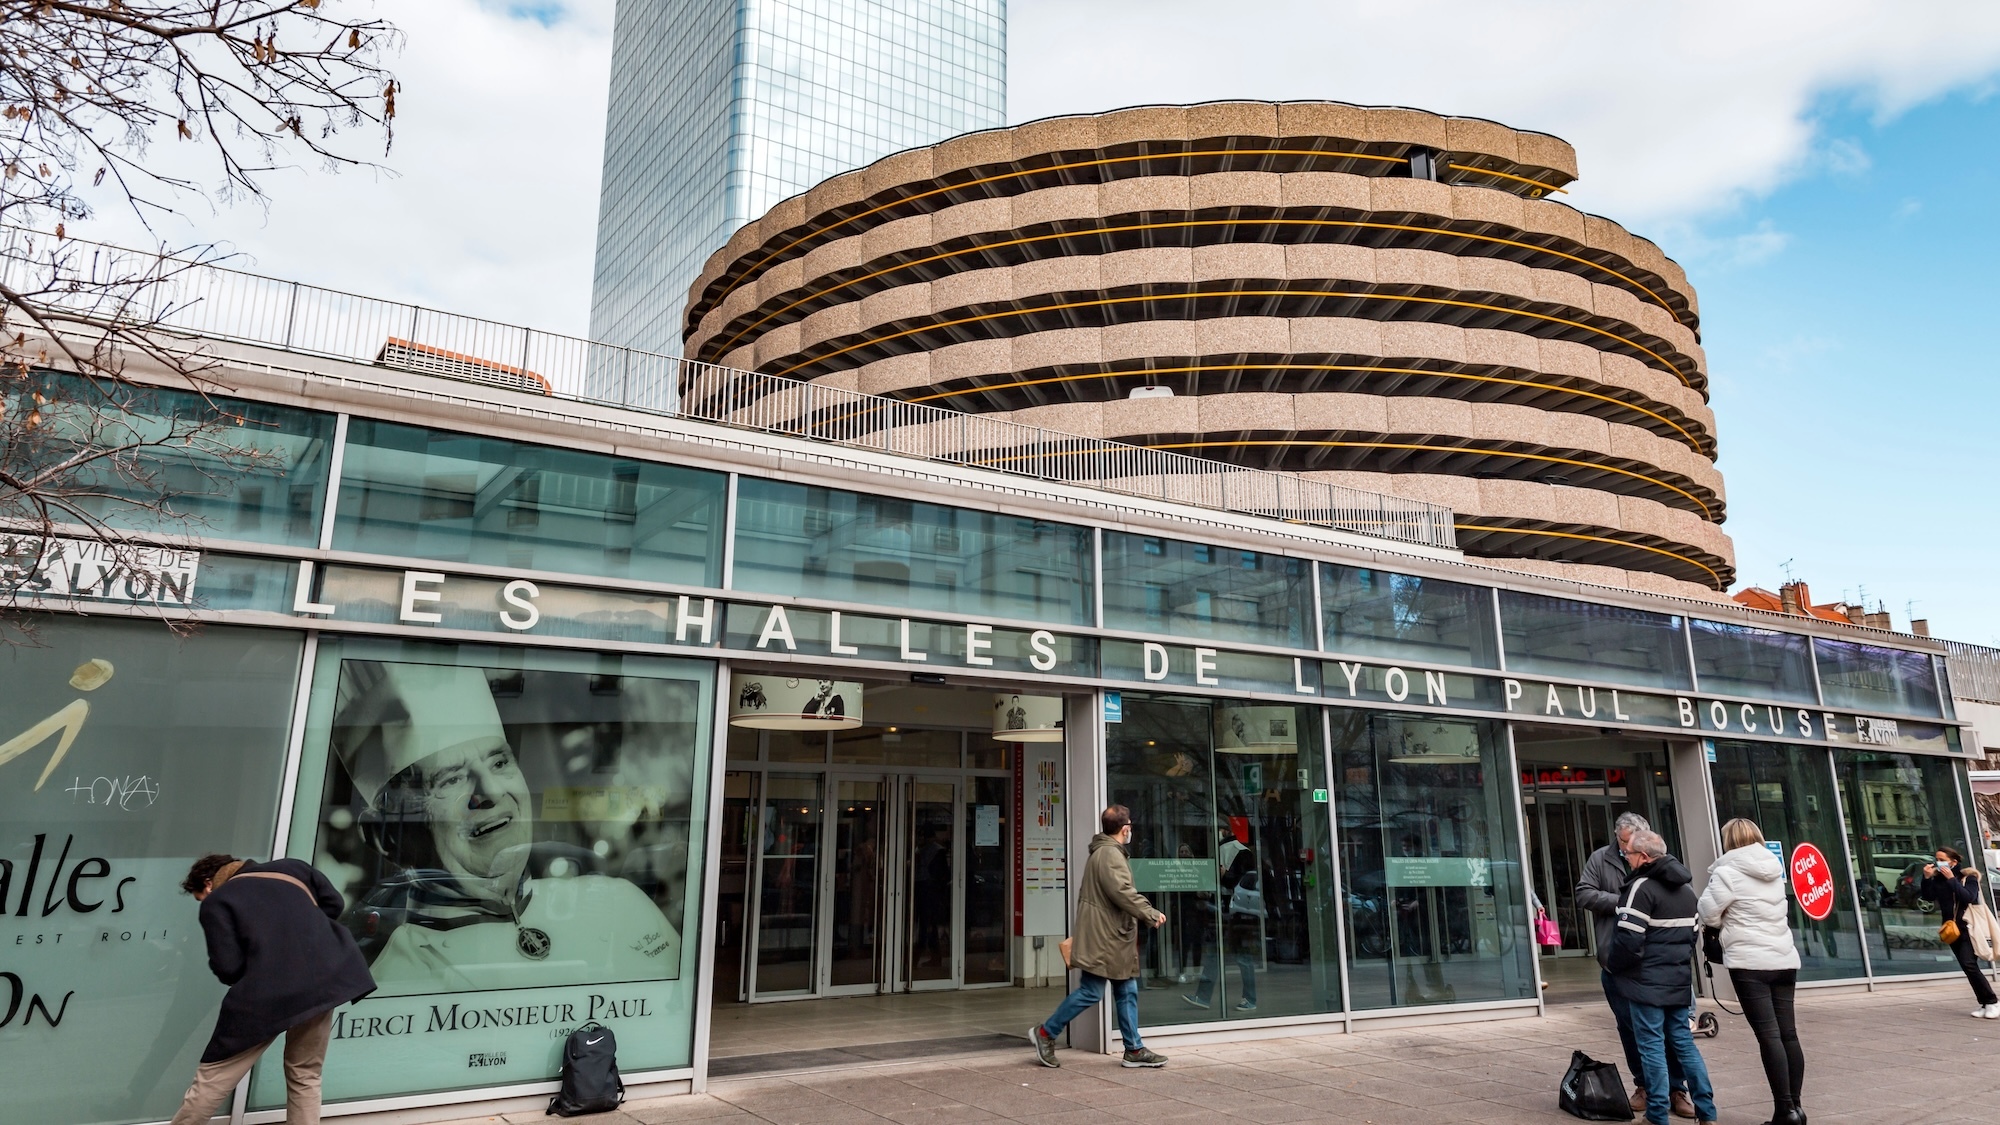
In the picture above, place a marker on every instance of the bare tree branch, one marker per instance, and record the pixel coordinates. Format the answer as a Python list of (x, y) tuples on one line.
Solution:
[(90, 91)]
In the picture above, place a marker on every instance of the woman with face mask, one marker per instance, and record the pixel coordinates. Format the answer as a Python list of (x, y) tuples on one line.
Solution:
[(1745, 896), (1954, 886)]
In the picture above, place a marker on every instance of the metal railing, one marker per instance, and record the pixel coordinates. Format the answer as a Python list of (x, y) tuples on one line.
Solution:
[(206, 300)]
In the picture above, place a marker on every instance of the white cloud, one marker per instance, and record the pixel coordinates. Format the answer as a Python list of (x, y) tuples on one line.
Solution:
[(1676, 107), (491, 205)]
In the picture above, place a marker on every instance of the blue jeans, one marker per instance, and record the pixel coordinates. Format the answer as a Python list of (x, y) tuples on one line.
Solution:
[(1621, 1011), (1124, 1000), (1661, 1031)]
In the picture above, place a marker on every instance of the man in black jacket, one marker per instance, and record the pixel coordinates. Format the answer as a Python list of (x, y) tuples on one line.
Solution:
[(274, 939), (1599, 891), (1652, 963)]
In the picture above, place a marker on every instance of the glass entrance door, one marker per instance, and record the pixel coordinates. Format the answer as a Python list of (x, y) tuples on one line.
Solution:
[(933, 950), (1569, 812), (857, 905), (785, 961)]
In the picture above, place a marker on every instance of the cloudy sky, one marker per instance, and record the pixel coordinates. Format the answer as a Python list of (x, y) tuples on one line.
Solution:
[(1825, 170)]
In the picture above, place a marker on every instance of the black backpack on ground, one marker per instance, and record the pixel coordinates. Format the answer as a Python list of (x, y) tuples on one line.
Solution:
[(1593, 1090), (590, 1082)]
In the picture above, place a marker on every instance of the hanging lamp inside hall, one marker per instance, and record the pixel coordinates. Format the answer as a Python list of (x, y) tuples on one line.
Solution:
[(793, 703), (1256, 730)]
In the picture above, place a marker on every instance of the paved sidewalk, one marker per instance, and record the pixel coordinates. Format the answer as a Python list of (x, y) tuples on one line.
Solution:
[(1907, 1055)]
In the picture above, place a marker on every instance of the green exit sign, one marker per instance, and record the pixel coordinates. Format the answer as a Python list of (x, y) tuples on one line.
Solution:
[(1319, 797)]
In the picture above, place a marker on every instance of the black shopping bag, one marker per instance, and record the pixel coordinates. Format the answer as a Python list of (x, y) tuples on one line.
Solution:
[(1593, 1090)]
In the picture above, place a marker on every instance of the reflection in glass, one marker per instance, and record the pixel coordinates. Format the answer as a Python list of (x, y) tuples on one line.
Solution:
[(1588, 641), (860, 834), (214, 467), (989, 837), (1166, 586), (930, 812), (788, 877), (880, 550), (1436, 911), (179, 751), (1407, 617), (1229, 842), (1876, 678), (897, 746), (732, 899), (462, 498), (1788, 791), (1744, 660), (1901, 808)]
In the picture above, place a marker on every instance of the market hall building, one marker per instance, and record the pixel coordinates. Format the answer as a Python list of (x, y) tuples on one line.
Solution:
[(769, 731)]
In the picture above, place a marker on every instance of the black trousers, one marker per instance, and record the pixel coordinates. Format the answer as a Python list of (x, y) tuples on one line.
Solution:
[(1766, 995), (1982, 989)]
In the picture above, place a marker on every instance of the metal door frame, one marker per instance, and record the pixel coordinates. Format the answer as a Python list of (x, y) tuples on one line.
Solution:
[(823, 929), (905, 868), (754, 925)]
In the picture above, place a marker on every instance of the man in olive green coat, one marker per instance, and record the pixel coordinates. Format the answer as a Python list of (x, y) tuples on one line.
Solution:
[(1104, 946)]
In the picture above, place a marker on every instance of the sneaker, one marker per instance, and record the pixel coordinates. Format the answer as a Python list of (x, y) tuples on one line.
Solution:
[(1182, 978), (1195, 1001), (1990, 1011), (1143, 1057), (1045, 1047), (1683, 1106), (1247, 1006)]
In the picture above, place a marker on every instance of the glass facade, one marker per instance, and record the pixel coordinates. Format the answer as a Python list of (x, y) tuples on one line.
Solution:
[(1430, 856), (125, 753), (216, 467), (1229, 842), (719, 111), (1876, 678), (1154, 585), (1788, 791), (453, 497), (1558, 637), (1313, 857), (880, 550), (518, 835), (1741, 660), (1406, 617), (1900, 809)]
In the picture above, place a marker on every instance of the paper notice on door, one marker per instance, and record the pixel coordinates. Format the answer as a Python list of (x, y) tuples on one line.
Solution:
[(986, 826)]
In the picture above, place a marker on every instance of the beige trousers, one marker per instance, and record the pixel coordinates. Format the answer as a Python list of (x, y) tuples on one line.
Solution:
[(305, 1051)]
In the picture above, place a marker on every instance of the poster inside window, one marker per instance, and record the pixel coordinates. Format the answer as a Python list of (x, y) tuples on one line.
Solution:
[(516, 834), (125, 753)]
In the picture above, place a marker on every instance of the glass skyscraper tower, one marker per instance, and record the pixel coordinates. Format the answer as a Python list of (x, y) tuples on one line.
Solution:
[(721, 108)]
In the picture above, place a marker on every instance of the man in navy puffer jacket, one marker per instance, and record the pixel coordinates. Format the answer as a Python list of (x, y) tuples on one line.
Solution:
[(1652, 962)]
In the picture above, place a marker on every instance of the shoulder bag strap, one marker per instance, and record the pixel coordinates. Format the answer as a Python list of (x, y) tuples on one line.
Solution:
[(282, 876)]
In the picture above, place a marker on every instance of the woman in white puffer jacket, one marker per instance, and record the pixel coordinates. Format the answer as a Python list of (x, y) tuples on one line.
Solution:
[(1745, 896)]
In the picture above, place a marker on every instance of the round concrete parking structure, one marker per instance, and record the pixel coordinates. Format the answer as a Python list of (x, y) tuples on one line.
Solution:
[(1383, 298)]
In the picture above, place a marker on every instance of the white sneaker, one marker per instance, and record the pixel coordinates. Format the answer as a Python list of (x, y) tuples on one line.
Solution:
[(1991, 1011)]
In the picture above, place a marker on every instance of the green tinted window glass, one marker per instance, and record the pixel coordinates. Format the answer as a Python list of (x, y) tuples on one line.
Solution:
[(1407, 617), (1230, 841), (143, 750), (1588, 641), (881, 550), (1431, 855), (215, 467), (1875, 678), (458, 498), (1166, 586), (1760, 663), (518, 835)]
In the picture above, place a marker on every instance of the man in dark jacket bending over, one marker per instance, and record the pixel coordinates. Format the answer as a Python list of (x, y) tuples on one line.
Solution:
[(274, 940), (1652, 963), (1599, 891)]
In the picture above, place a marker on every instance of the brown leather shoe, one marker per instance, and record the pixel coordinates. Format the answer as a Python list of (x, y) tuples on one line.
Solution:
[(1639, 1099), (1683, 1105)]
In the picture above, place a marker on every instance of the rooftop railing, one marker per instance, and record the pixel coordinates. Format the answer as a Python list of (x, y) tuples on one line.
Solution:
[(1974, 671), (206, 300)]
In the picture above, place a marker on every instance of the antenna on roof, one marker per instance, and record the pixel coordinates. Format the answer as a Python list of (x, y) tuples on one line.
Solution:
[(1786, 566)]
